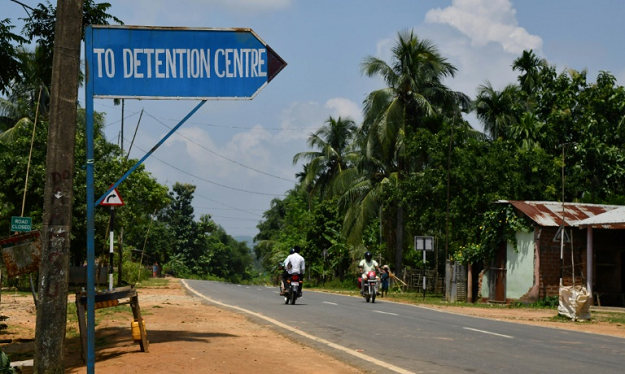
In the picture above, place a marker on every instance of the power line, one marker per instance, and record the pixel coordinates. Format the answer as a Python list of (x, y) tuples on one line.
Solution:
[(209, 181), (238, 219), (217, 154), (230, 126), (227, 206)]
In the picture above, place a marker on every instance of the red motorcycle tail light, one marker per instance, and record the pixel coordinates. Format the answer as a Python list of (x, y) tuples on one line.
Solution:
[(295, 277)]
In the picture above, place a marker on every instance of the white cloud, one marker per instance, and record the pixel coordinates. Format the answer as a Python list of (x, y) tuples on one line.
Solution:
[(342, 107), (299, 120), (470, 60), (250, 148), (383, 48), (487, 21)]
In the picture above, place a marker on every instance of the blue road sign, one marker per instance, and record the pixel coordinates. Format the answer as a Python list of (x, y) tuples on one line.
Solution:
[(175, 63)]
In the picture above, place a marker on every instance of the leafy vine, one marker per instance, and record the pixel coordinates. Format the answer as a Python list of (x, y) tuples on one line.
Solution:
[(498, 226)]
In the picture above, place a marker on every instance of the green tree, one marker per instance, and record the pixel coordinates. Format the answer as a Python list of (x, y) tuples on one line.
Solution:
[(414, 91), (496, 109), (10, 64), (332, 140), (39, 28)]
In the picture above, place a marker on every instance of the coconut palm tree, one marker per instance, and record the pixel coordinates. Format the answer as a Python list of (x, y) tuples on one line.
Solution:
[(495, 109), (332, 142), (27, 97), (414, 91)]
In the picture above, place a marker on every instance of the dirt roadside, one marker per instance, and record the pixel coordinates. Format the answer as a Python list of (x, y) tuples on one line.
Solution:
[(188, 336)]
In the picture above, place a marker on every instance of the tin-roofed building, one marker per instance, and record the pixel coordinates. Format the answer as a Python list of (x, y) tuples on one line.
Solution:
[(591, 253)]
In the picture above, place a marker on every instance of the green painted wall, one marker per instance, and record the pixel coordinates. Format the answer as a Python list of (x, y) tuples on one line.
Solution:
[(520, 265), (520, 274)]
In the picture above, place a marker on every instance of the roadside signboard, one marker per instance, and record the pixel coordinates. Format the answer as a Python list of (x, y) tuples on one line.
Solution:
[(424, 243), (143, 62), (113, 199), (22, 224), (21, 253), (176, 62)]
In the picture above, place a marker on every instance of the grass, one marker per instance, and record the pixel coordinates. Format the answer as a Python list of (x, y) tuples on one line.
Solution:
[(153, 282), (610, 317)]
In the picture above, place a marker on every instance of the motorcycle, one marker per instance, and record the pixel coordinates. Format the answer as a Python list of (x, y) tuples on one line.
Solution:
[(371, 286), (292, 288)]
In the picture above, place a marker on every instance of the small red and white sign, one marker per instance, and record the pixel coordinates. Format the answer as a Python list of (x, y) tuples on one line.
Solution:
[(113, 199)]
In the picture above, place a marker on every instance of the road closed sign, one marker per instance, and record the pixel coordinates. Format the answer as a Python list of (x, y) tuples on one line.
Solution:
[(21, 224)]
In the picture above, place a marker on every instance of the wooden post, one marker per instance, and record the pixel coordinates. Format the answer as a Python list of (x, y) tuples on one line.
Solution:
[(82, 327), (58, 194), (136, 312), (469, 283)]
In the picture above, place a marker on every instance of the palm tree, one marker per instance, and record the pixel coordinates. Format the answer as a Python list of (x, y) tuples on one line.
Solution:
[(495, 109), (332, 142), (414, 91), (27, 98), (530, 66)]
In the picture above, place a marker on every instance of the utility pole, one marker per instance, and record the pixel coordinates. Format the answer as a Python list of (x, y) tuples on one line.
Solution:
[(58, 194)]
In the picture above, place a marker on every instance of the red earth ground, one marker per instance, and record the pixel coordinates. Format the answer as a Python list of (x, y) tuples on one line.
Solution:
[(189, 336)]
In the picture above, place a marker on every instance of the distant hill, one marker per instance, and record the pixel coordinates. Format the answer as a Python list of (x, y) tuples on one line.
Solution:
[(246, 239), (249, 240)]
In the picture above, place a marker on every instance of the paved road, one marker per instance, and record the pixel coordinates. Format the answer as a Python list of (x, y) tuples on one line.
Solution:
[(403, 338)]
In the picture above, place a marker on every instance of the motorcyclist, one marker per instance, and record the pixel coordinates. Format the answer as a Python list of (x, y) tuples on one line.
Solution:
[(366, 265), (285, 273), (294, 264)]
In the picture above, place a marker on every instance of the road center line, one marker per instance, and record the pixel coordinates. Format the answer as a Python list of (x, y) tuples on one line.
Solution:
[(362, 356), (379, 311), (488, 332), (327, 302)]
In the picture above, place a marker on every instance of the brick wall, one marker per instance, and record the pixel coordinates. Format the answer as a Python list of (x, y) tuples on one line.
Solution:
[(550, 261)]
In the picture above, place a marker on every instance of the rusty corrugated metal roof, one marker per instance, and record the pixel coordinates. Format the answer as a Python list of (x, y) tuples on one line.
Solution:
[(549, 213), (613, 219)]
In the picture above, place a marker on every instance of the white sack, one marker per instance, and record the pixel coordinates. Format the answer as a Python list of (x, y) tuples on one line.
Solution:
[(574, 303)]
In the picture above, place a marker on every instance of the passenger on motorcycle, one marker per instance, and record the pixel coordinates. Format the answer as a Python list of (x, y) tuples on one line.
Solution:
[(293, 264), (366, 265)]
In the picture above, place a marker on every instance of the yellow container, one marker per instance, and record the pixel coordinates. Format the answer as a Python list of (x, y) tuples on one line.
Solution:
[(136, 333)]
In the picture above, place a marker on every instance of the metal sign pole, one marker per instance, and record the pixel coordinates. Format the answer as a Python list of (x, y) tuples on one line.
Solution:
[(90, 203), (111, 241), (424, 277)]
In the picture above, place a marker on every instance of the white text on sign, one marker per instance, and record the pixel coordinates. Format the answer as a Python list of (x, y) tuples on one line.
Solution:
[(182, 63)]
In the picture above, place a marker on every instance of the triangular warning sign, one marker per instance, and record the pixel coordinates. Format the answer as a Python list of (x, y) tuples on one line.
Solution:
[(557, 237), (113, 199)]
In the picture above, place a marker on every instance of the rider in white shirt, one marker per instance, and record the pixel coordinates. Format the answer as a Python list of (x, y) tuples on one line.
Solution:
[(366, 265), (294, 264)]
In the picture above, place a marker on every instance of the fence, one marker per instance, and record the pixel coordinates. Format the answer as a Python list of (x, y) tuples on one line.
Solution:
[(414, 281)]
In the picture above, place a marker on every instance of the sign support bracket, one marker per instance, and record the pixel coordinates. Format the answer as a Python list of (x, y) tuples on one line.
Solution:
[(135, 166)]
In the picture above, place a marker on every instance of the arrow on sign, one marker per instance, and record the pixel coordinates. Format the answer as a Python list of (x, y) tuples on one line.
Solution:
[(170, 62), (113, 199)]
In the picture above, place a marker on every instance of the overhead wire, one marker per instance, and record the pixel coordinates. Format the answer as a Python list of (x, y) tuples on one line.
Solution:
[(219, 155), (209, 181)]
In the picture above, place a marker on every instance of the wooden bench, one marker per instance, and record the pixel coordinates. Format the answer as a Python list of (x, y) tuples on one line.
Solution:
[(105, 300)]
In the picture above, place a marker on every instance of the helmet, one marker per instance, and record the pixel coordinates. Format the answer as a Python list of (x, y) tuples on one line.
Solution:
[(368, 256), (296, 248), (292, 251)]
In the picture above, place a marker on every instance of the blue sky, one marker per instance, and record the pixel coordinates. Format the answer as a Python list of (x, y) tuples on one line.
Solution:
[(239, 153)]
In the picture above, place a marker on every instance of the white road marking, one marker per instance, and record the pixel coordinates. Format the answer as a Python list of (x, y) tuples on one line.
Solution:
[(488, 332), (327, 302), (379, 311), (304, 334)]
